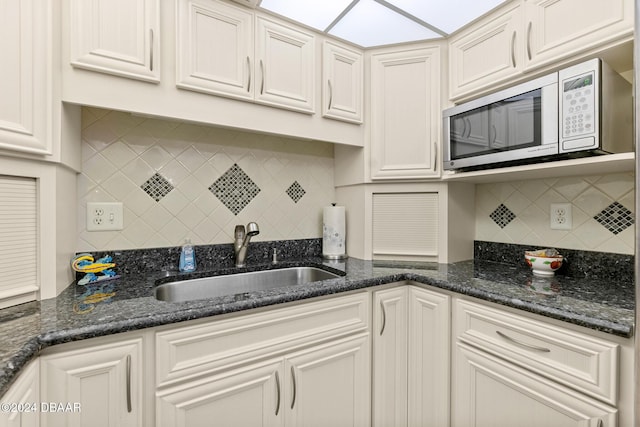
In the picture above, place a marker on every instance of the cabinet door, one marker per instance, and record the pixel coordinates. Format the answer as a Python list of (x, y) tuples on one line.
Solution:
[(486, 53), (24, 99), (342, 71), (215, 48), (252, 396), (106, 381), (428, 358), (23, 399), (329, 385), (560, 28), (118, 37), (285, 66), (405, 114), (488, 391), (390, 358)]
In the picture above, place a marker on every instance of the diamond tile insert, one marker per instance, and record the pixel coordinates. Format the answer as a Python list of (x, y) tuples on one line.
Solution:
[(234, 189), (615, 218), (295, 191), (157, 187), (502, 216)]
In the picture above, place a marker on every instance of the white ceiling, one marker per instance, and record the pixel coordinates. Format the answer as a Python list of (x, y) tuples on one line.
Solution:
[(370, 23)]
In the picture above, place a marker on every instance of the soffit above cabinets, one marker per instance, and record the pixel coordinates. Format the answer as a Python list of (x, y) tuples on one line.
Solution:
[(373, 23)]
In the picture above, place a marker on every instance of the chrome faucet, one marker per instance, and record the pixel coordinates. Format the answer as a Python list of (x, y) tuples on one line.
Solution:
[(241, 242)]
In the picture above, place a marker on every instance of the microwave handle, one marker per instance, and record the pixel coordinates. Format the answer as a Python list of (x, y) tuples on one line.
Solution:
[(467, 127)]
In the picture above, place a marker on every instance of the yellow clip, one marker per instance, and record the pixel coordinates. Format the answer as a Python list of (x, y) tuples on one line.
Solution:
[(89, 268)]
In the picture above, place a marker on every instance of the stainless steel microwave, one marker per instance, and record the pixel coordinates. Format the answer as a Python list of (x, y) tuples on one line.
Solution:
[(585, 109)]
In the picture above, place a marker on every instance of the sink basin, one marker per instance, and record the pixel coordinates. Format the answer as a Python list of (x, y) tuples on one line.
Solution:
[(231, 284)]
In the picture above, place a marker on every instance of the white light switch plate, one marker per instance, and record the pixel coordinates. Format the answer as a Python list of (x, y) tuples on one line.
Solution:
[(104, 216)]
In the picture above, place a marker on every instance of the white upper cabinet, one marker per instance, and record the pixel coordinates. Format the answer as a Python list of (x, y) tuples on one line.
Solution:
[(285, 66), (405, 113), (119, 37), (487, 53), (215, 48), (342, 79), (560, 28), (527, 35), (25, 101), (225, 50)]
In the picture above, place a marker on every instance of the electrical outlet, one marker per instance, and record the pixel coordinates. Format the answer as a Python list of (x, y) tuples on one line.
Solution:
[(104, 216), (560, 216)]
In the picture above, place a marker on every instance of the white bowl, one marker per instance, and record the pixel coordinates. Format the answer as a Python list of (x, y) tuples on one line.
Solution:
[(542, 262)]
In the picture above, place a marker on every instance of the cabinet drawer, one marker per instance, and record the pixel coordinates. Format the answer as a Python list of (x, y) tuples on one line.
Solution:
[(190, 351), (583, 362)]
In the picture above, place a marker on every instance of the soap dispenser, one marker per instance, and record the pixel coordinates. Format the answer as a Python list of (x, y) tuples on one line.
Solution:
[(187, 258)]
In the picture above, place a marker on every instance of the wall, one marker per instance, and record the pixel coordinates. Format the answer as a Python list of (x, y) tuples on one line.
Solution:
[(518, 212), (179, 180)]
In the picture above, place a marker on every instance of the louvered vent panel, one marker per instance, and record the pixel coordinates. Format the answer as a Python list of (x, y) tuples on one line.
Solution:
[(405, 224), (18, 236)]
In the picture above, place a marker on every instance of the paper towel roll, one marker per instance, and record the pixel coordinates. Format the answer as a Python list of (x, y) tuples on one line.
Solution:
[(333, 232)]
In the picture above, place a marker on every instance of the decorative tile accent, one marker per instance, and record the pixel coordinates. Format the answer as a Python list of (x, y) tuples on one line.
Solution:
[(615, 218), (157, 187), (502, 216), (295, 191), (235, 189)]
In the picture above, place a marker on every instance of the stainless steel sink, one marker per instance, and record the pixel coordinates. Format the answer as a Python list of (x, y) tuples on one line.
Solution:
[(231, 284)]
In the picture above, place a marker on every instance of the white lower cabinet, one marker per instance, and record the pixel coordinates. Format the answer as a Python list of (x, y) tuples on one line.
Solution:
[(489, 391), (249, 396), (305, 365), (390, 374), (325, 385), (329, 385), (511, 370), (23, 399), (382, 358), (429, 357), (411, 358), (98, 385)]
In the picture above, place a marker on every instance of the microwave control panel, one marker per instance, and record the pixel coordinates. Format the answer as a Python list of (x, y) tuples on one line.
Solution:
[(578, 106)]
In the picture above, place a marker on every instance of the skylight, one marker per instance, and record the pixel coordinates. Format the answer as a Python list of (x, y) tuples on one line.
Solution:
[(370, 23)]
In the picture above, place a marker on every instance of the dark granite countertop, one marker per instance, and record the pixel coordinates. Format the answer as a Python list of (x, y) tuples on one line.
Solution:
[(128, 303)]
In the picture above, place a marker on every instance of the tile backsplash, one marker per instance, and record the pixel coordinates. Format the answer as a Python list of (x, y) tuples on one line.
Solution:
[(178, 180), (518, 212)]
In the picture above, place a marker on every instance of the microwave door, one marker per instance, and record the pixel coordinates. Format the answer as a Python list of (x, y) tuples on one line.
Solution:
[(515, 123), (470, 134)]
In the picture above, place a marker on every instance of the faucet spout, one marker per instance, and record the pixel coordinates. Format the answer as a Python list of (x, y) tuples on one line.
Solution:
[(241, 241)]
